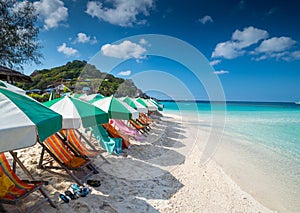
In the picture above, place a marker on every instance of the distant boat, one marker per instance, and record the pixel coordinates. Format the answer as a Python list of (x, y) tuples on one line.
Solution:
[(297, 102)]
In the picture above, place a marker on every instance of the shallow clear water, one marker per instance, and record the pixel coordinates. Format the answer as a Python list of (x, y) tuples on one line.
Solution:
[(275, 125), (261, 150)]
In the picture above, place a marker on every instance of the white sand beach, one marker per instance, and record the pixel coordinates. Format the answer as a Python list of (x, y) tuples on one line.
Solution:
[(161, 174)]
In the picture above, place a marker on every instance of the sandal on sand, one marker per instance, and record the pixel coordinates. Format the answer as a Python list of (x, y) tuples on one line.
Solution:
[(81, 192), (94, 183), (70, 195), (85, 192), (64, 198)]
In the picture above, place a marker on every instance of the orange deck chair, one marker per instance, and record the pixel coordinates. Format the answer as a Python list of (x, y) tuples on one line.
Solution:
[(78, 146), (67, 160), (139, 127), (115, 134)]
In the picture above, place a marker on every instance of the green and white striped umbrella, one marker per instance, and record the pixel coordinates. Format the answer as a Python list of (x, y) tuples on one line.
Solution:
[(136, 105), (77, 113), (160, 107), (150, 106), (23, 121), (90, 97), (12, 87), (116, 109)]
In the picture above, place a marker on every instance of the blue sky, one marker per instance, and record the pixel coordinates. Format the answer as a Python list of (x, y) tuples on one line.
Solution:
[(252, 46)]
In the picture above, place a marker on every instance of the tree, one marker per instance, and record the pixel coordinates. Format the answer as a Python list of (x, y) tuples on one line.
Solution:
[(18, 34)]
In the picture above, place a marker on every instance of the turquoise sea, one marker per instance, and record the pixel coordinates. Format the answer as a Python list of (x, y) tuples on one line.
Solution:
[(264, 140)]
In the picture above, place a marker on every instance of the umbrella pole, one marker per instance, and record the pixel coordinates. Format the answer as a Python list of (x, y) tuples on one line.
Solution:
[(16, 159)]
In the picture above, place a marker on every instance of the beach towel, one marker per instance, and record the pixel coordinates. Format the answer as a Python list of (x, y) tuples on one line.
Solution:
[(115, 134), (111, 145)]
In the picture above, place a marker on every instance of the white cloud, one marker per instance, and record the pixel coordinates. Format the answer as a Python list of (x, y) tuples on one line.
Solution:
[(248, 36), (125, 73), (52, 12), (68, 51), (228, 50), (124, 50), (275, 47), (84, 38), (296, 55), (206, 19), (143, 41), (275, 44), (122, 12), (221, 72), (239, 40), (214, 62)]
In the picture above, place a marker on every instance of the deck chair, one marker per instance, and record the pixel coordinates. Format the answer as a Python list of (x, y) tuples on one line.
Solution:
[(78, 146), (67, 160), (130, 131), (111, 145), (115, 134), (145, 118), (13, 189), (140, 128)]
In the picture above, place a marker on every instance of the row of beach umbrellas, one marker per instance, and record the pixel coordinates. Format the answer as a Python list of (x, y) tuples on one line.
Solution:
[(24, 121)]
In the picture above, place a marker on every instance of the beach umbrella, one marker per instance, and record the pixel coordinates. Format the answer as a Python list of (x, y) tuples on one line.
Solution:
[(91, 97), (136, 105), (146, 103), (77, 113), (12, 87), (115, 108), (159, 106), (24, 121), (79, 96)]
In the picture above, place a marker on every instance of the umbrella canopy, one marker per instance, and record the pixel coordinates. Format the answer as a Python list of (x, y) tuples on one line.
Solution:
[(116, 109), (79, 95), (12, 87), (150, 106), (160, 107), (136, 105), (23, 121), (77, 113), (91, 97)]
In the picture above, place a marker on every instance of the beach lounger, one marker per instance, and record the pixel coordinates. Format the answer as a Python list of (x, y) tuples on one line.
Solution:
[(76, 144), (13, 189), (67, 160), (111, 145), (115, 134), (131, 132), (140, 128)]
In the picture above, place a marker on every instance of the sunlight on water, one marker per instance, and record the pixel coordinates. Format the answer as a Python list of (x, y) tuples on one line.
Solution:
[(263, 141)]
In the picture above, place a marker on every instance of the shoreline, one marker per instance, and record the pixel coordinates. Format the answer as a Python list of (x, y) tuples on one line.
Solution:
[(161, 174)]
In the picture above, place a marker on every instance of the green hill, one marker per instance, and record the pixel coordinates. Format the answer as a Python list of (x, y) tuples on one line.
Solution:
[(81, 77)]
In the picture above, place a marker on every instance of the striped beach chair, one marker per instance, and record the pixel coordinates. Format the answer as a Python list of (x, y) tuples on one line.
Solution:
[(115, 134), (76, 144), (66, 159), (13, 189)]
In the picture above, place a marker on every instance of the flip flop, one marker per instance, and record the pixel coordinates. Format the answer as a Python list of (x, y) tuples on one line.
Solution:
[(85, 192), (70, 195), (75, 187), (64, 198), (94, 183), (82, 192)]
